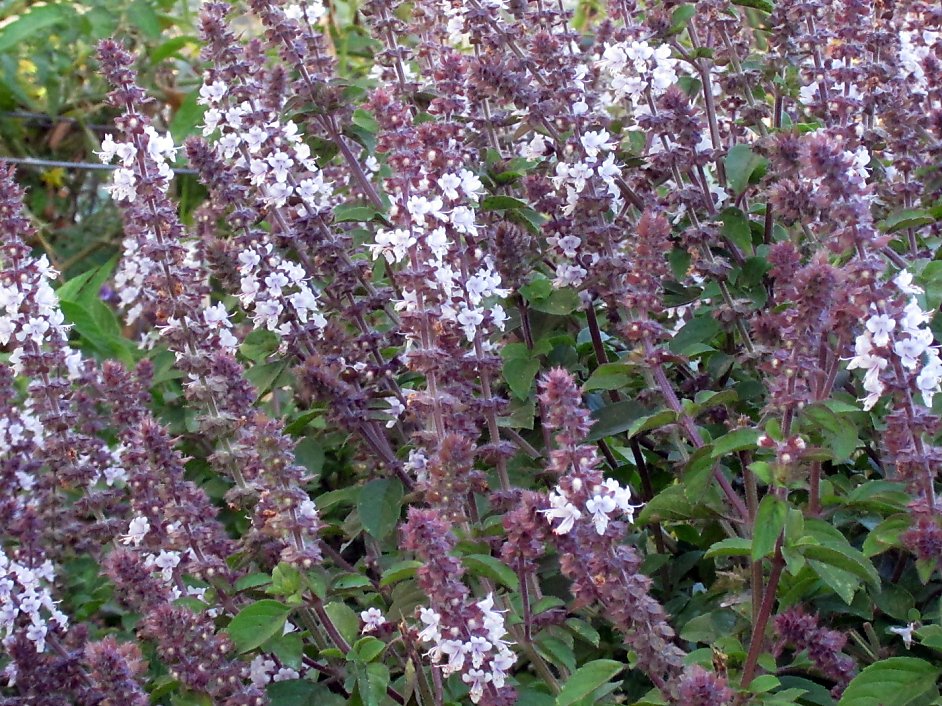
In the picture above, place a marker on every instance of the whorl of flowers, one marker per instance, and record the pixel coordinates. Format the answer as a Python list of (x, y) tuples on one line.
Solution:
[(588, 515), (801, 631), (253, 450), (464, 636)]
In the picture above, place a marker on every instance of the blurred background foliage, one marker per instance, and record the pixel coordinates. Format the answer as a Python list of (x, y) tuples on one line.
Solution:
[(52, 105)]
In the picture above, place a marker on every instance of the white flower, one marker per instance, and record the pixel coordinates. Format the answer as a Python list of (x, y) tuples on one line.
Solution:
[(904, 281), (911, 349), (396, 408), (280, 163), (477, 648), (913, 317), (471, 185), (432, 621), (599, 506), (906, 632), (260, 670), (569, 275), (470, 319), (498, 317), (372, 619), (449, 184), (255, 138), (285, 674), (535, 149), (123, 185), (477, 679), (562, 509), (595, 141), (109, 148), (278, 194), (212, 93), (881, 326), (454, 649), (137, 530), (500, 664)]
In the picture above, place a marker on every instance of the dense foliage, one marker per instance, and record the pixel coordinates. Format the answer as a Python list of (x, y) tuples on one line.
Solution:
[(484, 351)]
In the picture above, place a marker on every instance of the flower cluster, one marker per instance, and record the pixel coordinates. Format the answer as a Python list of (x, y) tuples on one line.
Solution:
[(481, 659), (601, 501), (908, 338), (25, 597), (637, 71)]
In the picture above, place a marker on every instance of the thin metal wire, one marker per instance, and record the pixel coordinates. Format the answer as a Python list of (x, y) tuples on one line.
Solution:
[(52, 164)]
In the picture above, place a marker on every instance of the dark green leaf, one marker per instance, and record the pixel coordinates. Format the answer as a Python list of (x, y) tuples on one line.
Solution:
[(519, 374), (896, 681), (379, 506), (770, 521), (489, 567), (257, 622), (741, 163), (587, 679)]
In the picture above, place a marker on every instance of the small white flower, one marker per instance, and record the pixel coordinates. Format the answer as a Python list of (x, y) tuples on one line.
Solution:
[(260, 670), (881, 326), (212, 93), (906, 632), (432, 621), (562, 509), (904, 281), (449, 184), (372, 619), (600, 506), (594, 141), (477, 679), (137, 530)]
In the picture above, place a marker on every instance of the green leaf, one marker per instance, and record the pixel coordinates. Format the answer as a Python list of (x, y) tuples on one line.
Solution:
[(839, 432), (349, 213), (143, 17), (367, 649), (681, 17), (33, 24), (372, 680), (731, 546), (171, 47), (301, 692), (587, 679), (399, 571), (519, 374), (500, 203), (259, 344), (764, 5), (310, 454), (844, 557), (652, 421), (256, 623), (345, 619), (737, 440), (843, 583), (614, 419), (770, 521), (885, 536), (896, 681), (489, 567), (741, 163), (608, 376), (559, 302), (930, 279), (907, 218), (736, 228), (379, 506), (694, 333)]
